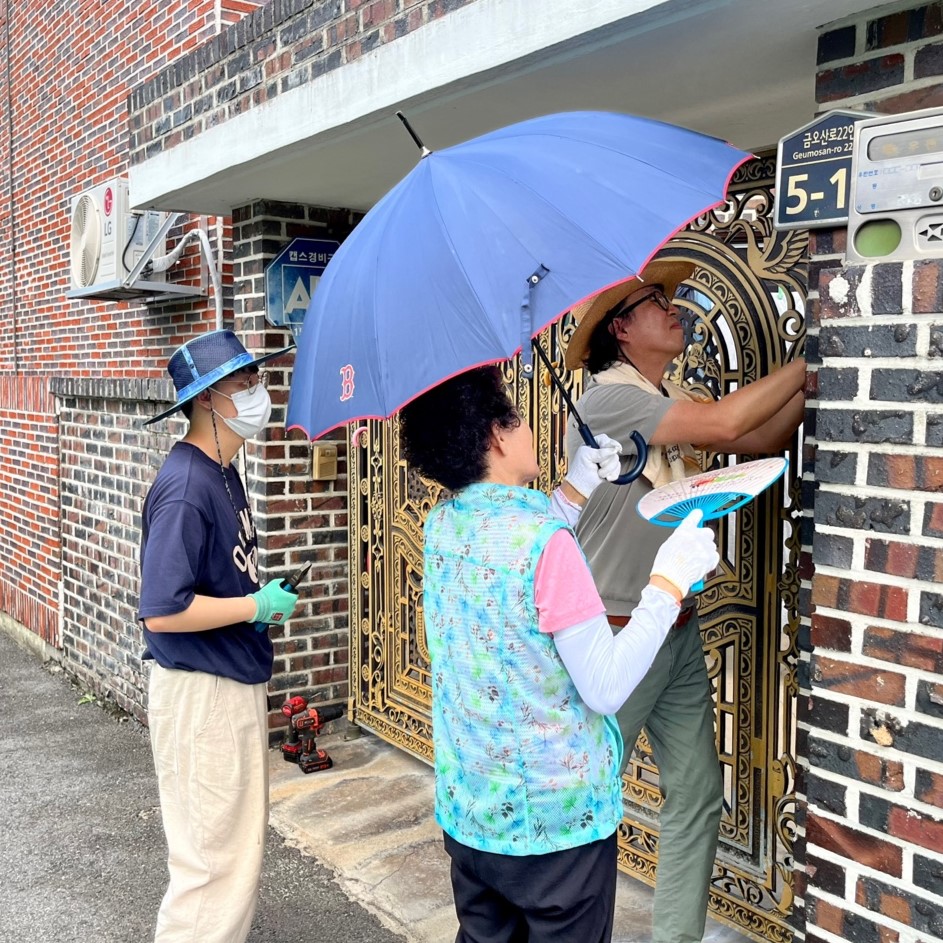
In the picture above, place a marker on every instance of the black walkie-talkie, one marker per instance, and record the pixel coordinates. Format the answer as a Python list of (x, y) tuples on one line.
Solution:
[(289, 584), (296, 577)]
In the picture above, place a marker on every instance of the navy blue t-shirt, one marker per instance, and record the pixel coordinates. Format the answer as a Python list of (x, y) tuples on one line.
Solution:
[(194, 544)]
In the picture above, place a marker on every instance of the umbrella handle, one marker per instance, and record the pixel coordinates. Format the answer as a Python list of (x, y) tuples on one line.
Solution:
[(641, 450), (641, 447)]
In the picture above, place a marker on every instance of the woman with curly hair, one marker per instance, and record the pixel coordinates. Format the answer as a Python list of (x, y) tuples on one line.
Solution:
[(525, 669)]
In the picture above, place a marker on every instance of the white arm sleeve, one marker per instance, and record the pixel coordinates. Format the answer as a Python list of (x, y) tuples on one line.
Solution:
[(563, 508), (606, 668)]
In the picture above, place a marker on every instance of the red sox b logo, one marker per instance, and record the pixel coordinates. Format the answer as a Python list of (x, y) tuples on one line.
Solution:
[(347, 382)]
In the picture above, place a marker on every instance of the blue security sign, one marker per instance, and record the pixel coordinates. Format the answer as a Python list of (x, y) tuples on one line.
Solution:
[(291, 278)]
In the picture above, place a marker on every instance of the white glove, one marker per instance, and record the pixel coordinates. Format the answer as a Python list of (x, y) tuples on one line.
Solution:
[(688, 555), (590, 467)]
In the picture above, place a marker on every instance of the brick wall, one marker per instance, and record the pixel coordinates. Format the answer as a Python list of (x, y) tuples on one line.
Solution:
[(56, 139), (285, 44), (109, 459), (77, 378), (29, 550), (298, 519), (108, 462), (871, 705)]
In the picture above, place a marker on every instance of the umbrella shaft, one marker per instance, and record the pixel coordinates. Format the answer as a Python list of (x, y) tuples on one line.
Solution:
[(585, 432)]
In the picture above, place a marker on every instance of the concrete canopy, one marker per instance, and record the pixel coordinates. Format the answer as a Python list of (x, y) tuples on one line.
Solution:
[(742, 70)]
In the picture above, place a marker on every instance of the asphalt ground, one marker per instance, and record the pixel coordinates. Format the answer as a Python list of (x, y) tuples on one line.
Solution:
[(82, 851)]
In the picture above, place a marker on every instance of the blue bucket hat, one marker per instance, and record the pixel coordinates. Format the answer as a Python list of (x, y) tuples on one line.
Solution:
[(205, 360)]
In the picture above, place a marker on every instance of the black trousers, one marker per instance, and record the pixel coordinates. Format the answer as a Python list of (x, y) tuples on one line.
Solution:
[(564, 897)]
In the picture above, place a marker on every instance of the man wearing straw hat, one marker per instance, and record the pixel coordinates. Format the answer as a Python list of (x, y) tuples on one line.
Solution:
[(626, 338), (204, 619)]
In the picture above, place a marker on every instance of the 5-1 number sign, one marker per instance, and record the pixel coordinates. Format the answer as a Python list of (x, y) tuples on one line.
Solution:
[(813, 172), (798, 195)]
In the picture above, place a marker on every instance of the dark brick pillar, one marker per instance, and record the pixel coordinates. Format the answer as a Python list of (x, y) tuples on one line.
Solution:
[(871, 724)]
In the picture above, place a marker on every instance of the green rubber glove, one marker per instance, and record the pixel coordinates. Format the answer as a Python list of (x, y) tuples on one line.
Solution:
[(274, 604)]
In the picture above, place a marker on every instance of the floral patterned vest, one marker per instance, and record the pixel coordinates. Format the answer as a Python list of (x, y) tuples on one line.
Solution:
[(522, 765)]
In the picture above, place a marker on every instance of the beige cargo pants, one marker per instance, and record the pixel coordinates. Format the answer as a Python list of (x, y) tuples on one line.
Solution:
[(209, 740)]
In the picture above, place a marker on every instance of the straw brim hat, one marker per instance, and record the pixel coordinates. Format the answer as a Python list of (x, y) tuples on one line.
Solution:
[(667, 274)]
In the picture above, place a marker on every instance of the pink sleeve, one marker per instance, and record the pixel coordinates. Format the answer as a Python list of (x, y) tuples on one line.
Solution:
[(564, 590)]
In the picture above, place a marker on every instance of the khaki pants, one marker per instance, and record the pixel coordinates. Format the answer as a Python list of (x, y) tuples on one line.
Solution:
[(673, 703), (209, 736)]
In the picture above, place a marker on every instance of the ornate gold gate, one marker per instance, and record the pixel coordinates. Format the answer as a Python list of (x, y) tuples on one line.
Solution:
[(748, 291)]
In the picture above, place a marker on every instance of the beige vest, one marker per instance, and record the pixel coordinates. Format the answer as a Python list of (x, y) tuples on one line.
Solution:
[(666, 463)]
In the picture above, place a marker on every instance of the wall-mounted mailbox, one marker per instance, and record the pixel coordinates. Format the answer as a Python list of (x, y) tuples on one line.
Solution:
[(324, 461), (896, 207)]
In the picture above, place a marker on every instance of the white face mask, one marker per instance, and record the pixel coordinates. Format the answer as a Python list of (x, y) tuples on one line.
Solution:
[(253, 410)]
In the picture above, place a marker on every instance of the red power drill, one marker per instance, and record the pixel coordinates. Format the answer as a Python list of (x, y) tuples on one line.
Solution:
[(291, 746), (305, 724)]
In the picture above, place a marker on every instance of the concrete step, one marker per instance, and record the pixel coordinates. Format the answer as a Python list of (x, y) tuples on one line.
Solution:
[(370, 819)]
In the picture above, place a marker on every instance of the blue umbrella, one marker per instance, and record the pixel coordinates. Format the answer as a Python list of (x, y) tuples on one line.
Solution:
[(484, 244)]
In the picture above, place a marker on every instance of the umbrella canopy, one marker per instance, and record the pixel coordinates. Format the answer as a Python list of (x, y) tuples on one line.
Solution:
[(484, 244)]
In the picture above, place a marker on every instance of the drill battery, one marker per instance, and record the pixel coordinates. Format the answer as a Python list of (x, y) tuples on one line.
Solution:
[(291, 745)]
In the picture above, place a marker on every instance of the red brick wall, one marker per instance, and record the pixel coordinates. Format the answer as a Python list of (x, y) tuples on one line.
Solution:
[(68, 135), (57, 138), (280, 46), (871, 720), (77, 378), (29, 554)]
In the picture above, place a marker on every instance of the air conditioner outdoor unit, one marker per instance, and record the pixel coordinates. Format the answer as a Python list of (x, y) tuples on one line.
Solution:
[(107, 241)]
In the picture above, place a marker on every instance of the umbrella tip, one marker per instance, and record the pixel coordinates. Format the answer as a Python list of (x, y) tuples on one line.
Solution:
[(422, 147)]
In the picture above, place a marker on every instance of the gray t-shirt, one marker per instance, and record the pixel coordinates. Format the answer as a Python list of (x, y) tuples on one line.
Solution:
[(618, 543)]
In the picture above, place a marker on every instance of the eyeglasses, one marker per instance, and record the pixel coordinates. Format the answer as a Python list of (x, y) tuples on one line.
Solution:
[(658, 297), (249, 382)]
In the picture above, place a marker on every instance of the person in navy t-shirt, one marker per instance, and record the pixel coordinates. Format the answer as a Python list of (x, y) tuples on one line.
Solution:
[(204, 619)]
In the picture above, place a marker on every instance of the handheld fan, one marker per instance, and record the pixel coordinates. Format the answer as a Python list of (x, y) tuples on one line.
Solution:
[(714, 493)]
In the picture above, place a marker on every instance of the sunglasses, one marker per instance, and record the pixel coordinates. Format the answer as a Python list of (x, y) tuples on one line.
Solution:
[(658, 297)]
